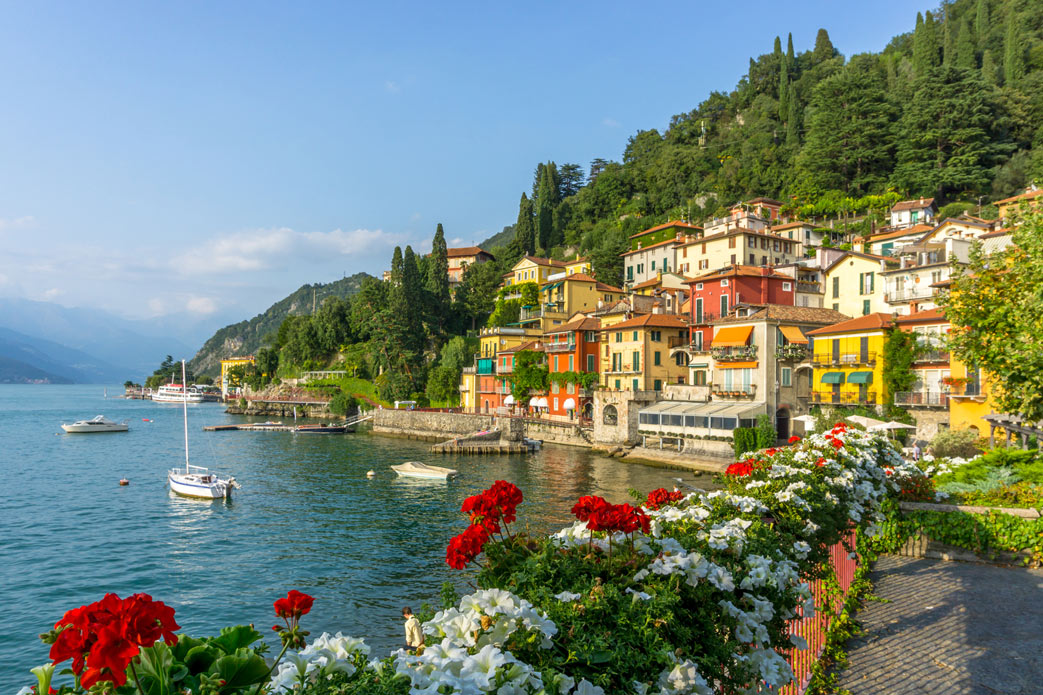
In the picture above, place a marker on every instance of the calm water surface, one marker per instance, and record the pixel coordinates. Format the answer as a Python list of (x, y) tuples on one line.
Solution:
[(307, 518)]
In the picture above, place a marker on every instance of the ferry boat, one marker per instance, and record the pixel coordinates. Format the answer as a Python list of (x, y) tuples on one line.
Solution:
[(177, 393), (99, 423)]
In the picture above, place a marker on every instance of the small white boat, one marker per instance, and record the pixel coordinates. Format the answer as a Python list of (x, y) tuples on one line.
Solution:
[(201, 483), (415, 469), (99, 423)]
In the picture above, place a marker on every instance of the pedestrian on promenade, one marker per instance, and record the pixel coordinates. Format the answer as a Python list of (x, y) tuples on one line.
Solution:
[(414, 635), (916, 451)]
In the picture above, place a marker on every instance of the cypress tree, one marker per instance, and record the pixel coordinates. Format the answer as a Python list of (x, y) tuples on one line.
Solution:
[(981, 22), (1013, 50), (438, 282), (411, 301), (925, 45), (948, 38), (791, 58), (793, 122), (545, 213), (966, 56), (524, 231), (823, 47), (396, 266), (777, 52), (990, 69), (784, 96)]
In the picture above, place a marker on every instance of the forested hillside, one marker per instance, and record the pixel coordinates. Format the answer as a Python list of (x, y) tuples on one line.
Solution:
[(952, 109), (246, 337)]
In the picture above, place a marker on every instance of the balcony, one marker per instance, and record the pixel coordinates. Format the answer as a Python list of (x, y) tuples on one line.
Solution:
[(844, 359), (486, 365), (814, 287), (922, 399), (705, 318), (827, 398), (725, 391), (791, 353), (559, 347), (676, 341), (535, 313), (933, 356), (908, 295), (740, 353)]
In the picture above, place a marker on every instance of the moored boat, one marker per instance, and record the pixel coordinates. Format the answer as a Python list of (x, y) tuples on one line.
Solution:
[(320, 429), (99, 423), (177, 393), (415, 469)]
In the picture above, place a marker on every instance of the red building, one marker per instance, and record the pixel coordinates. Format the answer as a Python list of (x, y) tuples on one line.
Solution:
[(572, 347), (715, 294), (504, 370)]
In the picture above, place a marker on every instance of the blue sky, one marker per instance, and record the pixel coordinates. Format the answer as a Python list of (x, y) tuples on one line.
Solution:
[(211, 157)]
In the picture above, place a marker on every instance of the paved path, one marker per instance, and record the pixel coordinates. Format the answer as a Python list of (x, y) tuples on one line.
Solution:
[(949, 627)]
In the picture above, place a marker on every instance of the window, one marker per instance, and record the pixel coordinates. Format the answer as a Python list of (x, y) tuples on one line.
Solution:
[(865, 307), (617, 388), (836, 307), (570, 387), (787, 287), (697, 339), (764, 244), (572, 367), (775, 245), (704, 248), (590, 363), (700, 377), (554, 387), (653, 265), (752, 242), (633, 384), (753, 259), (635, 336), (630, 272), (733, 259), (656, 359), (637, 361), (836, 289), (724, 283), (619, 336), (640, 268), (657, 385), (656, 336), (764, 260), (724, 305), (698, 285), (555, 403), (787, 376), (731, 242), (590, 337), (684, 252), (679, 359)]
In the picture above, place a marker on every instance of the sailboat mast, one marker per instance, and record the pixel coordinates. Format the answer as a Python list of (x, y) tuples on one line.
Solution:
[(184, 410)]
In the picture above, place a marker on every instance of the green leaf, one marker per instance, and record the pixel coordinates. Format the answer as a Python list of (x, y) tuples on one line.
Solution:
[(184, 646), (234, 638), (200, 658), (240, 670)]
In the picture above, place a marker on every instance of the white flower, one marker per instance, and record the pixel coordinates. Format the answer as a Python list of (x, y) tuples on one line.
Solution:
[(801, 549), (567, 596), (588, 688), (639, 595), (798, 642)]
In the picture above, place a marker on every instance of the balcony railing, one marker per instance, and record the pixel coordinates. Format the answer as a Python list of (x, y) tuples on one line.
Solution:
[(909, 294), (844, 359), (676, 341), (559, 347), (741, 391), (809, 287), (704, 318), (933, 356), (738, 353), (791, 352), (844, 398), (552, 309), (929, 399)]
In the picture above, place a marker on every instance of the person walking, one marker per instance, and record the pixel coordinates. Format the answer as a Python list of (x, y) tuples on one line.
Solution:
[(916, 451), (414, 635)]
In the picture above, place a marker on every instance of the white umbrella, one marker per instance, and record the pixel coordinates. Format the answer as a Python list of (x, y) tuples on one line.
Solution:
[(807, 420), (866, 422), (893, 425), (509, 400)]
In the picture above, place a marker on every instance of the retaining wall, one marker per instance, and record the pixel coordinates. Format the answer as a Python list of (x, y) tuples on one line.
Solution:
[(414, 424)]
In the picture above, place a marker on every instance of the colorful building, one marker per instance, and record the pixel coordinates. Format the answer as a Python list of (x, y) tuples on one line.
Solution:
[(226, 366), (532, 269), (562, 299), (736, 247), (854, 285), (487, 393), (713, 295), (664, 232), (911, 212), (756, 214), (637, 354), (460, 259), (848, 361), (1031, 198), (502, 397), (572, 348)]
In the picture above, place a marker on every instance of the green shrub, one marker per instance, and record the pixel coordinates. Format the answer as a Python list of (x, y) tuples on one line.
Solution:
[(342, 404), (953, 443), (766, 434), (744, 439)]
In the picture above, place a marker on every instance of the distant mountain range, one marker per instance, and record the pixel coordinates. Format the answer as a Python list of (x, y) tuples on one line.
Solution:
[(246, 337), (28, 359)]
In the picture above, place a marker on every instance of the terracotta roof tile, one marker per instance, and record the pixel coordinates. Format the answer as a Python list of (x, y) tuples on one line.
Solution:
[(869, 322), (915, 230), (545, 261), (534, 345), (683, 225), (790, 314), (651, 320), (651, 246), (738, 270), (1027, 195), (926, 316), (913, 204), (583, 323), (467, 251)]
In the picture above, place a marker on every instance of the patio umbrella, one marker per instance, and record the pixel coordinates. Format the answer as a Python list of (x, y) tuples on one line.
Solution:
[(893, 425), (866, 422), (807, 420)]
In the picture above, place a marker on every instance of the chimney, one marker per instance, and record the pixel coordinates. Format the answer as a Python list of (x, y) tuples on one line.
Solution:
[(921, 200)]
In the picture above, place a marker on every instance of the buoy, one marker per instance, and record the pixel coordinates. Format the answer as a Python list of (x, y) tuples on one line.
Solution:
[(371, 474), (124, 481)]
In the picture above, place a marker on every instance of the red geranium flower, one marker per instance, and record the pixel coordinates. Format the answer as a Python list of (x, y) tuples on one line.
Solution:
[(821, 462), (466, 546), (294, 605), (657, 498), (587, 505), (837, 444), (794, 439), (739, 469)]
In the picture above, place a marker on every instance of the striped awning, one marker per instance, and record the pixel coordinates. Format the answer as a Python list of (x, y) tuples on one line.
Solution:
[(732, 336), (793, 334)]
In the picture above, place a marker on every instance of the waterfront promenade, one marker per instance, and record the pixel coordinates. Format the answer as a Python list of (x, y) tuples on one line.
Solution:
[(948, 627)]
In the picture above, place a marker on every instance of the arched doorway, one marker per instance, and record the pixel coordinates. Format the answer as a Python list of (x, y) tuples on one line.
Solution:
[(588, 410), (610, 416), (782, 423)]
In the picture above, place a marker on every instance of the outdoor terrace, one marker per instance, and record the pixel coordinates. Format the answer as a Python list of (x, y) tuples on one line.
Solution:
[(849, 359)]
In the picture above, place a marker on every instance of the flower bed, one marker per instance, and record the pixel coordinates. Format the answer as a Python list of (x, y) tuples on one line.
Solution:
[(684, 593)]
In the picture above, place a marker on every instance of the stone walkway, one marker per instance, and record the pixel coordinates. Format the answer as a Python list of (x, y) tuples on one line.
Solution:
[(948, 627)]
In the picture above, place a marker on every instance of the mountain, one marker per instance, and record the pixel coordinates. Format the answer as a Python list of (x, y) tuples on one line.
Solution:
[(62, 364), (107, 338), (501, 239), (246, 337), (17, 372)]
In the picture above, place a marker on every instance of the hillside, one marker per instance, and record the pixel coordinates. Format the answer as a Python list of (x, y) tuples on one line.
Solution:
[(55, 362), (246, 337), (17, 372)]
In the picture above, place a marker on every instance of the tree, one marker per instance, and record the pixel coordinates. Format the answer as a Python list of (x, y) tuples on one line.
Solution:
[(949, 137), (1013, 49), (596, 167), (530, 374), (982, 23), (995, 308), (966, 55), (396, 266), (784, 96), (849, 145), (438, 283), (900, 351), (442, 385), (824, 49), (948, 37), (524, 241), (267, 363), (925, 45), (477, 291), (572, 179), (547, 236), (606, 261)]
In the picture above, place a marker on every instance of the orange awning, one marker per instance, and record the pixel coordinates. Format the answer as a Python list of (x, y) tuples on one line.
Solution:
[(732, 336), (736, 365), (793, 334)]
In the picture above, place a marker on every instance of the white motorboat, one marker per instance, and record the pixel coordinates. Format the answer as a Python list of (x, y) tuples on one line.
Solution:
[(99, 423), (196, 481), (177, 393), (415, 469)]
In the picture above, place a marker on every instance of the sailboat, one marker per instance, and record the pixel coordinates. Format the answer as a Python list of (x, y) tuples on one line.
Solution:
[(196, 481)]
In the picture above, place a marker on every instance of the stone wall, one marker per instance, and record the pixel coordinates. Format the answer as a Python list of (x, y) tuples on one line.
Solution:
[(269, 408), (928, 420), (622, 407), (415, 424), (709, 449), (558, 433)]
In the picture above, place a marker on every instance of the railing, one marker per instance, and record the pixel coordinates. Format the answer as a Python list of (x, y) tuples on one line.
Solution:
[(739, 353), (791, 352), (734, 391), (559, 347), (933, 356), (847, 359), (827, 604), (809, 287), (676, 341), (705, 318), (906, 295), (922, 398), (844, 398)]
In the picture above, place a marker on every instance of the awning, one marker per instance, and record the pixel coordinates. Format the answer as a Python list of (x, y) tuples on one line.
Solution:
[(570, 404), (793, 334), (860, 378), (741, 410), (833, 378), (542, 402), (534, 402), (509, 400), (553, 285), (737, 365), (732, 336), (703, 365)]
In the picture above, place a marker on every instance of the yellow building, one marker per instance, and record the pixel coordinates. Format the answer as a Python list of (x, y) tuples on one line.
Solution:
[(970, 398), (469, 389), (533, 269), (1031, 198), (854, 285), (229, 364), (580, 265), (636, 354), (739, 246), (562, 299), (848, 362)]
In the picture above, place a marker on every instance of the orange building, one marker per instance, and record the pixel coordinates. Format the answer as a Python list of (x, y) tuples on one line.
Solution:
[(572, 348)]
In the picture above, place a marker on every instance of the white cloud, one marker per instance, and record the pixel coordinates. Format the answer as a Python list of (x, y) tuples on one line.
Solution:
[(156, 306), (610, 122), (456, 241), (268, 249), (53, 293), (201, 305), (392, 87), (17, 222)]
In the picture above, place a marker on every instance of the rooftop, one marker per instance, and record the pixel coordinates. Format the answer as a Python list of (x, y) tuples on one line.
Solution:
[(913, 204), (789, 314), (1027, 195), (543, 261), (915, 230), (675, 223), (467, 251), (792, 225), (583, 323), (927, 316), (650, 246), (869, 322), (652, 321), (530, 345), (738, 230), (739, 270)]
